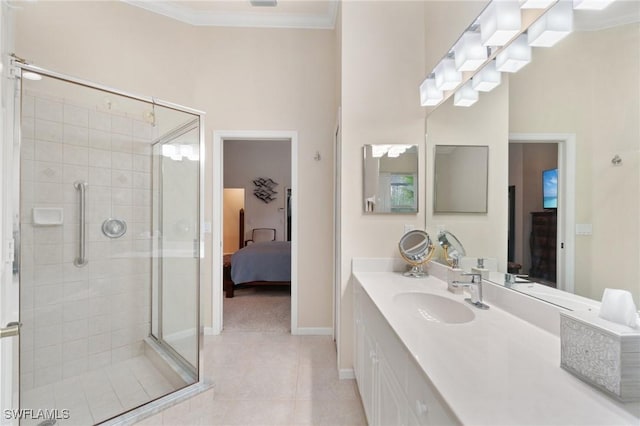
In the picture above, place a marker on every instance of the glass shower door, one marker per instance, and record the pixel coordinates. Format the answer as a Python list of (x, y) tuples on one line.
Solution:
[(176, 223), (88, 200)]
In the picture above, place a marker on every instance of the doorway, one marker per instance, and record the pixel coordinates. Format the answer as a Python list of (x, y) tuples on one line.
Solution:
[(262, 193), (543, 238)]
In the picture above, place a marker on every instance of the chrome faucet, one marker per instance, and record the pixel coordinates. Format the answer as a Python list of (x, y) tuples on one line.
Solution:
[(476, 297)]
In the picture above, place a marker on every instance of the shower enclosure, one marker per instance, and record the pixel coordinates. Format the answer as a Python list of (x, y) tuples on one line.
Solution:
[(107, 234)]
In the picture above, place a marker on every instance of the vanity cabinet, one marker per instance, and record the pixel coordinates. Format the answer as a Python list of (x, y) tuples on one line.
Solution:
[(393, 387)]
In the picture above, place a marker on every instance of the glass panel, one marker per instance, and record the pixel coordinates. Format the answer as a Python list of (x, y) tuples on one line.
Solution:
[(85, 342), (176, 221)]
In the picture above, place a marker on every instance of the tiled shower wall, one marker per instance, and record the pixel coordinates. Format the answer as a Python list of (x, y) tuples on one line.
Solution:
[(81, 319)]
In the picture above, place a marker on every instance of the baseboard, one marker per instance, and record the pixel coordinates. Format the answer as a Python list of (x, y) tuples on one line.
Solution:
[(313, 331), (346, 373), (210, 331)]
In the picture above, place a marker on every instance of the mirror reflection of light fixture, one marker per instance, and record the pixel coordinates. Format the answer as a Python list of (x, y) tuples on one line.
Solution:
[(393, 151), (180, 152), (553, 26), (469, 52), (487, 79), (515, 56), (500, 22), (591, 4), (447, 77), (429, 93), (536, 4), (465, 96)]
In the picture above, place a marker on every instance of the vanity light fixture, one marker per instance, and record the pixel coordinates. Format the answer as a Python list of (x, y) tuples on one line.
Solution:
[(429, 93), (500, 22), (553, 26), (591, 4), (515, 56), (469, 52), (466, 96), (487, 79), (536, 4), (447, 77)]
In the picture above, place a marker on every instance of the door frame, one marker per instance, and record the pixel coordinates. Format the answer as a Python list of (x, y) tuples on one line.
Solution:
[(219, 136), (565, 255)]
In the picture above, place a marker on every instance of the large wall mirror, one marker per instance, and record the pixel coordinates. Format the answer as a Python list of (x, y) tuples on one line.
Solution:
[(460, 179), (390, 179), (573, 111)]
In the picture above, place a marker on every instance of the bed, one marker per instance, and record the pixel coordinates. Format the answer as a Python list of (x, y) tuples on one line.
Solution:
[(260, 263)]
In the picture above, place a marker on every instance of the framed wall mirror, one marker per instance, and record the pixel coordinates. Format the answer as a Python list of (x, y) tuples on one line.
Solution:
[(390, 179), (460, 179)]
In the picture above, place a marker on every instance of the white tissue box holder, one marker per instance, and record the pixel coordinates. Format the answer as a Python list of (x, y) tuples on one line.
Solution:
[(602, 353)]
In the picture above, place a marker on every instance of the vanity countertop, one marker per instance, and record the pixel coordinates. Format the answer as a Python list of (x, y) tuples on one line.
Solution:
[(496, 369)]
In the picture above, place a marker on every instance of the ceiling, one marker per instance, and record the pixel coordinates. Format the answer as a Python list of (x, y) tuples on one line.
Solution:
[(321, 14), (308, 14), (620, 12)]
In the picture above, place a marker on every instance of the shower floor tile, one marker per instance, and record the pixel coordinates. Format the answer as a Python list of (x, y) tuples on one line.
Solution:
[(99, 395)]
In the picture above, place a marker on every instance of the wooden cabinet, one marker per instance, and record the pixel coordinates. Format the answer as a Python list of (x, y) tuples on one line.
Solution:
[(542, 243), (393, 387)]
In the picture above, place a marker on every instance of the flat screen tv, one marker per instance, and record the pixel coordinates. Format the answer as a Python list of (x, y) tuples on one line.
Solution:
[(550, 189)]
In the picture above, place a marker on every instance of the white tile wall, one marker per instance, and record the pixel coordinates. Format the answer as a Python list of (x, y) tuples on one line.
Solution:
[(81, 319)]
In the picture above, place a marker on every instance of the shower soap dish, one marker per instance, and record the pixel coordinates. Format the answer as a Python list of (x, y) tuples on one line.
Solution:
[(47, 216), (602, 353)]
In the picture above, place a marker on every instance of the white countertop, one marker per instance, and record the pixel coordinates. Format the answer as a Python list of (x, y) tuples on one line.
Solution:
[(496, 369)]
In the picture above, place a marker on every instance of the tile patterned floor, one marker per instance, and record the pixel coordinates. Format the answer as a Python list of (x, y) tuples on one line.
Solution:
[(100, 394), (269, 378)]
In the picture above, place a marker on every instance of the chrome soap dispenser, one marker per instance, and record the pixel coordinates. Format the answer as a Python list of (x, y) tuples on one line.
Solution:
[(454, 274), (480, 269)]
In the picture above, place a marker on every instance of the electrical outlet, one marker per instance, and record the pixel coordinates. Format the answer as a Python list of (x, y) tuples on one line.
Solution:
[(408, 227)]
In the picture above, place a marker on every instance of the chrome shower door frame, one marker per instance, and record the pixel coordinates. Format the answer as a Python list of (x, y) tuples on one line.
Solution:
[(159, 335)]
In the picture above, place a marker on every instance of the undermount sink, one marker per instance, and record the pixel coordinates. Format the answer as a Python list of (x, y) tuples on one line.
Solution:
[(434, 308)]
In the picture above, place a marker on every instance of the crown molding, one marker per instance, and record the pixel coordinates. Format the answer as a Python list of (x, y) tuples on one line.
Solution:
[(252, 20)]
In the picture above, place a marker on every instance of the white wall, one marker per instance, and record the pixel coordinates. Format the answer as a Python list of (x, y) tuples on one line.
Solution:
[(244, 79), (588, 85), (382, 67), (280, 79), (245, 161)]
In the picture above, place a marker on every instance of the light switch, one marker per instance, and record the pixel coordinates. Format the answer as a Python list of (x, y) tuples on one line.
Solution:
[(206, 227), (584, 229)]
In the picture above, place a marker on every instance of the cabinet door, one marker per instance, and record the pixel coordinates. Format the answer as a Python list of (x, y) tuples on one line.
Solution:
[(392, 404), (358, 358), (425, 402), (368, 383)]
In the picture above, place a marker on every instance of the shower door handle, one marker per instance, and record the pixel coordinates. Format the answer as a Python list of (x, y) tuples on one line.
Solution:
[(12, 329), (81, 186)]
